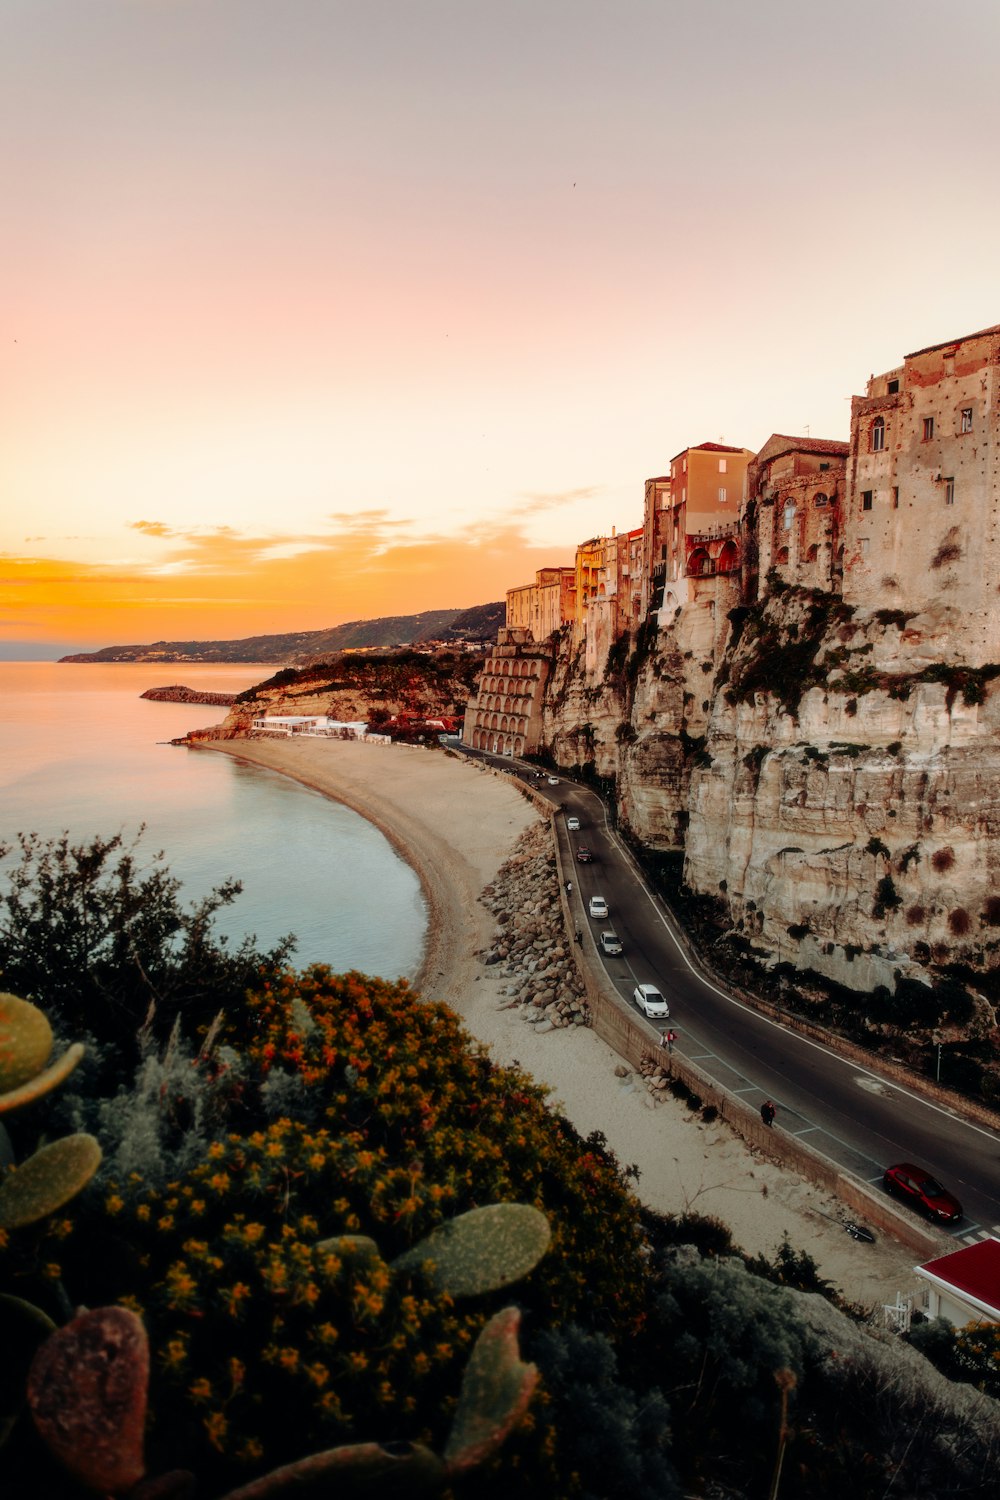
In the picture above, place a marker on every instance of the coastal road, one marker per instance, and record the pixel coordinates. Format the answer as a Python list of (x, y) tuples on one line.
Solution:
[(850, 1113)]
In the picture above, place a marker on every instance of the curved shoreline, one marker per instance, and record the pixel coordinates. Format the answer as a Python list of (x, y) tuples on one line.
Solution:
[(421, 801), (456, 824)]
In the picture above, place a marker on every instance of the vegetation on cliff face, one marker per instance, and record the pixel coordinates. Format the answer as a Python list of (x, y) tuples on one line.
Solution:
[(415, 681)]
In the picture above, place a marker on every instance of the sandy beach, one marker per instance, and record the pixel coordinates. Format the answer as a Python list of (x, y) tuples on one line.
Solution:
[(456, 823)]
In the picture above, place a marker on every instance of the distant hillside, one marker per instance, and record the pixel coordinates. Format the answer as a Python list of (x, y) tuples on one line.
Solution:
[(448, 625)]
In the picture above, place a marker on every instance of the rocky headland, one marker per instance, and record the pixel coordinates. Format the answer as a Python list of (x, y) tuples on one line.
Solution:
[(178, 694)]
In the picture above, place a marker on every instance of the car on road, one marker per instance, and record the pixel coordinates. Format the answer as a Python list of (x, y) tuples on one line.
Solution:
[(584, 855), (610, 943), (553, 781), (650, 1001), (573, 824), (598, 907), (916, 1186)]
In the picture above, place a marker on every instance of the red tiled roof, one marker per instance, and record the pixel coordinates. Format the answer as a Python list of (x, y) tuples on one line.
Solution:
[(708, 448), (975, 1270)]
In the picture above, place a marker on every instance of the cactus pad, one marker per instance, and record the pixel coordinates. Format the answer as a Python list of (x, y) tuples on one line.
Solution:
[(481, 1250), (25, 1041), (47, 1180), (44, 1082), (360, 1469), (87, 1393), (496, 1389)]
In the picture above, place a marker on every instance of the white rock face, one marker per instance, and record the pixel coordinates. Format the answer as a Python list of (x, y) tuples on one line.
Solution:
[(863, 812)]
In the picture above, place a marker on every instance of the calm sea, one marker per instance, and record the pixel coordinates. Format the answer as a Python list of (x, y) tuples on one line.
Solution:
[(81, 751)]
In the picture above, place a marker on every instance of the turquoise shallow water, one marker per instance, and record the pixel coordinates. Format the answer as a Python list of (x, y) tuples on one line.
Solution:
[(81, 751)]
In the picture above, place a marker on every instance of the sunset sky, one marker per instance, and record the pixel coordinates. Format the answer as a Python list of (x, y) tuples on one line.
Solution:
[(318, 310)]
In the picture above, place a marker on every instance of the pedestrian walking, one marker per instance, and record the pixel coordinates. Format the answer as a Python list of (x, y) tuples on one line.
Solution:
[(767, 1113), (569, 887), (579, 937)]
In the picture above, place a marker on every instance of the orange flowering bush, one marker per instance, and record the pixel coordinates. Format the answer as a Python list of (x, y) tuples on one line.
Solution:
[(277, 1327)]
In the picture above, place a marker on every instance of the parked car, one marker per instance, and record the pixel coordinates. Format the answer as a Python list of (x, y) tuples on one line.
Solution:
[(573, 824), (649, 1000), (584, 855), (916, 1186), (598, 907), (610, 943)]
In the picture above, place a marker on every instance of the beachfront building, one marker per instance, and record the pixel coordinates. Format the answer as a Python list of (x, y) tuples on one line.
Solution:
[(320, 725), (922, 511), (505, 716), (792, 515), (964, 1286)]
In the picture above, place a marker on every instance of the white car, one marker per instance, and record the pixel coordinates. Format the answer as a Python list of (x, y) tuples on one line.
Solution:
[(598, 906), (650, 1001), (553, 781), (573, 824), (611, 943)]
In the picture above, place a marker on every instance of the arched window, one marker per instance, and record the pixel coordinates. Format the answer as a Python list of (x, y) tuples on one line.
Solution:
[(782, 557), (878, 434), (820, 499), (813, 553), (788, 515)]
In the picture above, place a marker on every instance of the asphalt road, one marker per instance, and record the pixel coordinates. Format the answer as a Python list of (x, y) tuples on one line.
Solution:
[(852, 1114)]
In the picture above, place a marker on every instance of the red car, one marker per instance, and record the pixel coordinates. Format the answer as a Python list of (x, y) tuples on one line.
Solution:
[(584, 855), (918, 1188)]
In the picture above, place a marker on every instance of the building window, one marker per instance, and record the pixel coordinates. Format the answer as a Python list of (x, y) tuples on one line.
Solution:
[(722, 493), (893, 387), (928, 428), (865, 546), (820, 499), (895, 497), (788, 516), (866, 499), (824, 466), (878, 434), (966, 418), (722, 465), (949, 492)]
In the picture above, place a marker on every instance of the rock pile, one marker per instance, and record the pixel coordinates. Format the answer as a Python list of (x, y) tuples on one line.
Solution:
[(530, 941)]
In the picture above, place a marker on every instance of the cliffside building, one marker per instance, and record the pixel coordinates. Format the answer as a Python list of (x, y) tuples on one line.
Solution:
[(505, 717), (544, 606), (922, 518), (793, 514)]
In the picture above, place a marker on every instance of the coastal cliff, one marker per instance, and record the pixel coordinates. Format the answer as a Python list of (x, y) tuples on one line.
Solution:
[(358, 686), (830, 780)]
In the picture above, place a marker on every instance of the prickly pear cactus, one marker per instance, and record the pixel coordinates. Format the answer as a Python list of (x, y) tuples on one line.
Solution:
[(25, 1042), (87, 1394), (47, 1180), (481, 1250), (496, 1389)]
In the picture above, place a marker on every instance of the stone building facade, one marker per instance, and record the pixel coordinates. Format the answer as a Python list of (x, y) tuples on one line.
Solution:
[(922, 518), (793, 514)]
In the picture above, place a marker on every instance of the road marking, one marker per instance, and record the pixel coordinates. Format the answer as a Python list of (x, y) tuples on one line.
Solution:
[(758, 1015), (807, 1131)]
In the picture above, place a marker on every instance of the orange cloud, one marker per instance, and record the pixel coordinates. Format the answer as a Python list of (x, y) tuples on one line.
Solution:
[(218, 583)]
